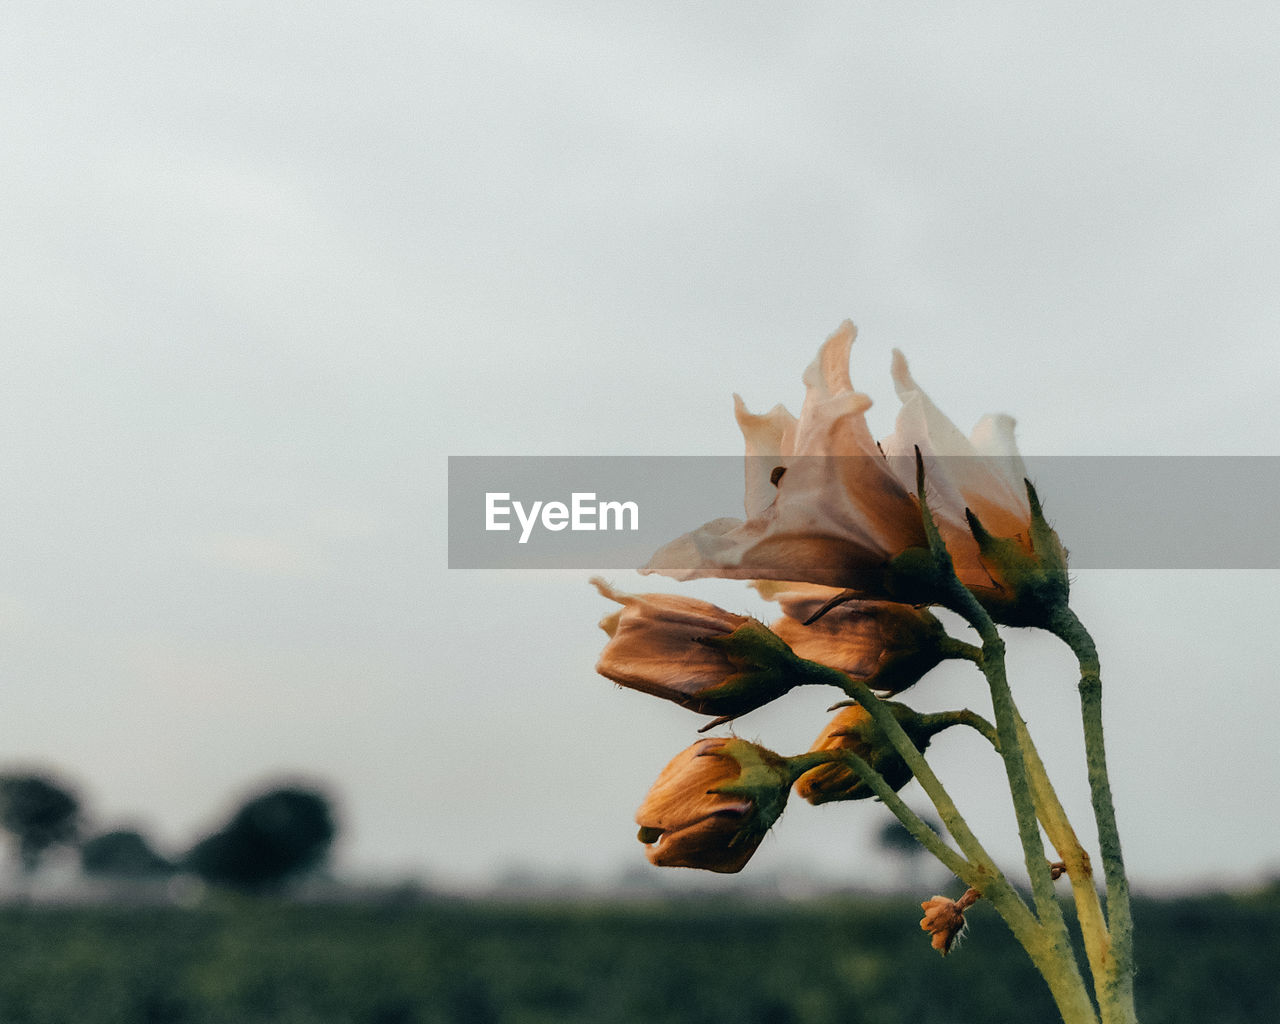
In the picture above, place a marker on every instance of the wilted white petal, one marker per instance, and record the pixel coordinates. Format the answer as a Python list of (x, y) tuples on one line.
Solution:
[(945, 437), (911, 431), (693, 555), (769, 438), (993, 439), (962, 474), (832, 420)]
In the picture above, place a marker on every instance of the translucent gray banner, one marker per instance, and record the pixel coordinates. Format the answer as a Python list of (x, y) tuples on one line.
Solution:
[(612, 513)]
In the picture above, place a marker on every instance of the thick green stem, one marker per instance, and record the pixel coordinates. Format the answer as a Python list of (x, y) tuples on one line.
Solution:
[(1064, 981), (1093, 925), (1050, 952), (1115, 989), (987, 877), (1061, 833), (1060, 973), (913, 823), (1007, 718), (1034, 800)]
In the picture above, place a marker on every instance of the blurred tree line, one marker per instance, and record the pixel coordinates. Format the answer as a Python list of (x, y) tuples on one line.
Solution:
[(396, 959), (275, 837)]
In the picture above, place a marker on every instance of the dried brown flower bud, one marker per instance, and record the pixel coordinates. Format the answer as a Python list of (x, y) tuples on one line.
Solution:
[(712, 805), (887, 645), (691, 652), (853, 729), (944, 919)]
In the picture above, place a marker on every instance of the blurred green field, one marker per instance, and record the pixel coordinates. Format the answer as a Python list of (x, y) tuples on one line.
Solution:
[(1209, 960)]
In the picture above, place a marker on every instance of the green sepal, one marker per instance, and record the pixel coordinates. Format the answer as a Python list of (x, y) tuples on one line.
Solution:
[(915, 577), (767, 669), (1035, 584), (922, 575), (753, 643), (764, 778)]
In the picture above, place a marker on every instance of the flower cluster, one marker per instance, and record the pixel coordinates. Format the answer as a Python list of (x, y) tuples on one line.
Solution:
[(842, 533), (827, 504)]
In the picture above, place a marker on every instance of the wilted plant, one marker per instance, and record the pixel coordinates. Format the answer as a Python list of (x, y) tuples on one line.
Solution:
[(856, 539)]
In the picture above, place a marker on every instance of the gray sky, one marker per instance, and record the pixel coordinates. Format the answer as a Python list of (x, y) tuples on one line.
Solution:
[(267, 267)]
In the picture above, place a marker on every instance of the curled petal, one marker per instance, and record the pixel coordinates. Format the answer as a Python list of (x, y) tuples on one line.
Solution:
[(718, 842), (887, 645), (984, 473), (653, 642), (769, 437), (685, 791), (833, 417)]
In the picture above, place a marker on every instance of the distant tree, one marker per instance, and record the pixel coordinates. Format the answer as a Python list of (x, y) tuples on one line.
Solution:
[(122, 854), (272, 839), (39, 814)]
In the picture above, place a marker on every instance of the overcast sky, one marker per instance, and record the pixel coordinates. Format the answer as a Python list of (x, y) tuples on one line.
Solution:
[(265, 267)]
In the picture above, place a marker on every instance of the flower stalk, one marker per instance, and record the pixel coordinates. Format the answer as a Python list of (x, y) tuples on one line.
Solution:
[(1116, 1003), (914, 824), (842, 533), (1116, 985), (982, 871), (1044, 942), (954, 595)]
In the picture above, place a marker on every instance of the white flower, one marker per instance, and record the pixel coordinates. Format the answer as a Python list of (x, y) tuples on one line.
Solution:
[(823, 505), (826, 504)]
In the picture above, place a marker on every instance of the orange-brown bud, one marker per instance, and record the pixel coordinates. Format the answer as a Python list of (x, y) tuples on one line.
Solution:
[(854, 730), (712, 805), (889, 646), (693, 653)]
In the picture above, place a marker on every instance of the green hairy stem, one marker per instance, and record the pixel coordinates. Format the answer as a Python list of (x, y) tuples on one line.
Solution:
[(1115, 987)]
